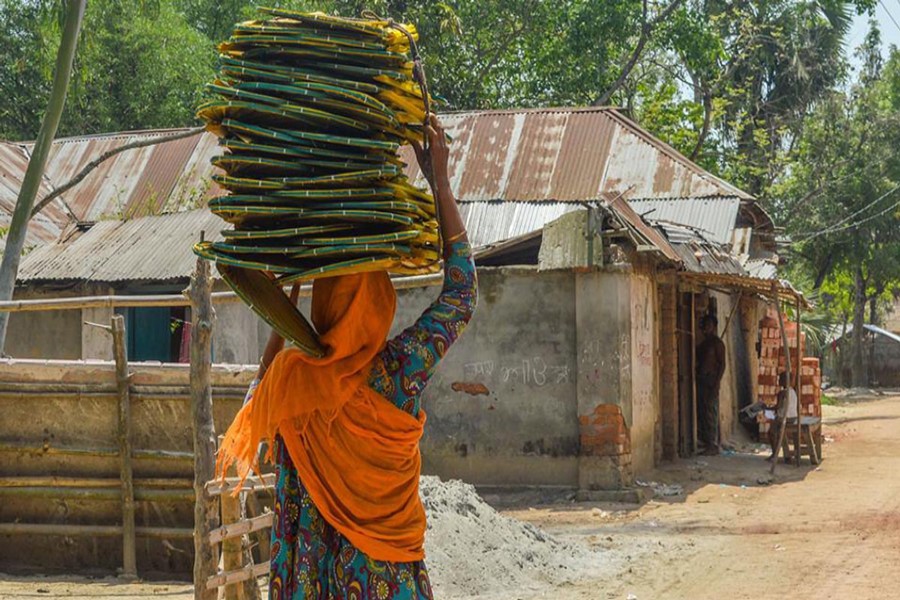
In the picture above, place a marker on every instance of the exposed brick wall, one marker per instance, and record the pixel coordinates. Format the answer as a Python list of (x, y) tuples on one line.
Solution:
[(604, 433), (605, 450)]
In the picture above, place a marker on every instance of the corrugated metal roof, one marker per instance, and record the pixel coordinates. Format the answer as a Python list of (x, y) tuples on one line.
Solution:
[(554, 154), (698, 254), (565, 154), (492, 222), (13, 162), (761, 268), (641, 228), (143, 249), (170, 176), (714, 216)]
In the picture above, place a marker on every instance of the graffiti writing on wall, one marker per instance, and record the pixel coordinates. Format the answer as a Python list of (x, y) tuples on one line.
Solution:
[(535, 372)]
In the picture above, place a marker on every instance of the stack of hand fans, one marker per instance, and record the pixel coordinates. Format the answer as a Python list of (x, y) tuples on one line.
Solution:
[(311, 112)]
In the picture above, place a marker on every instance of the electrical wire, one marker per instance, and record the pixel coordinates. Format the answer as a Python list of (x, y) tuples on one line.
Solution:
[(897, 25), (839, 226)]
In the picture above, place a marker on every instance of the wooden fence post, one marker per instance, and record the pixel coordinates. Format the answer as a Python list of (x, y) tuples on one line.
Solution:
[(232, 554), (798, 387), (123, 380), (782, 420), (205, 514)]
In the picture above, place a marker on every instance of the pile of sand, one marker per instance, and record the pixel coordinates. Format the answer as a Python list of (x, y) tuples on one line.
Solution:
[(474, 550)]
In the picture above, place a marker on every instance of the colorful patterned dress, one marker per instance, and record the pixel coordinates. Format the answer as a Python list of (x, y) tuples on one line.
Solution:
[(310, 560)]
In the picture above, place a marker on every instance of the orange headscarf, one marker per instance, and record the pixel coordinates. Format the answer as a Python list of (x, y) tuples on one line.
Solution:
[(356, 453)]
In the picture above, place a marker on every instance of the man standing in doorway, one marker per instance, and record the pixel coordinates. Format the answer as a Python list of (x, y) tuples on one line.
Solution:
[(710, 368)]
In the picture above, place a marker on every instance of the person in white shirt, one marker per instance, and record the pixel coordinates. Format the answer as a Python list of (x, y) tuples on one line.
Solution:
[(787, 400)]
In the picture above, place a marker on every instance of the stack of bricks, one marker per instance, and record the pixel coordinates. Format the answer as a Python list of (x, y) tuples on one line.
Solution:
[(773, 360), (811, 388), (767, 379)]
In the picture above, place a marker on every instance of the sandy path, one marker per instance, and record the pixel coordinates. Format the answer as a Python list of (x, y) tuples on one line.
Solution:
[(832, 532)]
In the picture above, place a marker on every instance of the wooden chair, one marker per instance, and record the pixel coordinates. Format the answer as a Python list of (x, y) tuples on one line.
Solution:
[(810, 439)]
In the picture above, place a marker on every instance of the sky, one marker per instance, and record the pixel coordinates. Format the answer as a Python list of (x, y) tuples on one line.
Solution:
[(890, 32)]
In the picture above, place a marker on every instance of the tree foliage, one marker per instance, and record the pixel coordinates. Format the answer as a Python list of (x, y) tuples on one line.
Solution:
[(842, 199), (760, 92), (140, 65)]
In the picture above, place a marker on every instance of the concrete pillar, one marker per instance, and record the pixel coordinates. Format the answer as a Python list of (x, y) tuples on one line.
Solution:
[(603, 351), (95, 342)]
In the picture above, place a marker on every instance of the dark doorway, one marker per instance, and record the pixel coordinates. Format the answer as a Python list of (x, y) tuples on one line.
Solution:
[(155, 333)]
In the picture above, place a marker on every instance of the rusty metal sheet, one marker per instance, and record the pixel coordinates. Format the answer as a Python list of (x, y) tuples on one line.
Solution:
[(486, 155), (156, 248), (535, 157), (518, 156), (564, 154), (697, 253), (714, 216), (652, 235), (583, 156), (155, 183), (13, 163)]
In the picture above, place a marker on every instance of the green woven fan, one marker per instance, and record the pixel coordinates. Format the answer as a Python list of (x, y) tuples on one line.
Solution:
[(311, 111)]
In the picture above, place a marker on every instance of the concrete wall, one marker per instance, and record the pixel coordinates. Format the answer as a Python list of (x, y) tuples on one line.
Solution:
[(239, 337), (501, 406), (543, 352), (49, 334), (58, 334)]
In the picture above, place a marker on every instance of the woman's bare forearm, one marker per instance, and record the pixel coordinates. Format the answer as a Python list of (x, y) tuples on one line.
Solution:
[(453, 228)]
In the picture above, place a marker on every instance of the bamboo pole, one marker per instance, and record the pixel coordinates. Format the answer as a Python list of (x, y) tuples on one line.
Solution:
[(44, 389), (256, 511), (232, 546), (797, 377), (240, 528), (236, 576), (91, 482), (731, 314), (120, 353), (787, 366), (97, 493), (162, 300), (51, 529), (205, 518), (252, 483), (95, 452), (694, 423), (110, 392)]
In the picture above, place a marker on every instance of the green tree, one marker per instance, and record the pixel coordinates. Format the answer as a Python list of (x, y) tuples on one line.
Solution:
[(30, 35), (15, 240), (140, 65), (841, 200)]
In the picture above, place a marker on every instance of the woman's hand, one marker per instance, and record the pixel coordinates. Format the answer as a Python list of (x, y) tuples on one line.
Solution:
[(434, 161)]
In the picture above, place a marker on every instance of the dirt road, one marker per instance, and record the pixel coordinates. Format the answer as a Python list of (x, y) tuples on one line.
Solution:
[(830, 532), (827, 532)]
